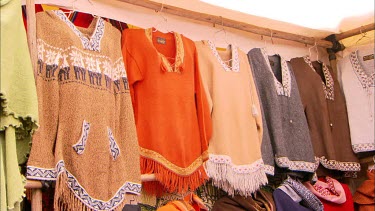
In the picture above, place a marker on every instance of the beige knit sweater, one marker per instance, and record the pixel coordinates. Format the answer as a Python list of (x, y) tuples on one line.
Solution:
[(235, 163), (87, 139)]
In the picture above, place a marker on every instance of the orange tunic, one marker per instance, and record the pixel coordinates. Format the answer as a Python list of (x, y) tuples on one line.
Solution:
[(170, 107)]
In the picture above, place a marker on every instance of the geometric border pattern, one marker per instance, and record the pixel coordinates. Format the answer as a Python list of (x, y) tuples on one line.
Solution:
[(338, 165), (239, 169), (36, 173), (79, 147), (90, 44), (284, 162), (270, 170), (366, 81), (285, 86), (329, 88), (235, 58), (364, 147), (115, 150), (79, 191)]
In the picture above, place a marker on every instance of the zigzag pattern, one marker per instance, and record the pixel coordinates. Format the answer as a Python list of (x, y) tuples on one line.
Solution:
[(93, 203), (365, 147), (115, 150), (79, 147), (40, 173), (366, 81), (94, 42)]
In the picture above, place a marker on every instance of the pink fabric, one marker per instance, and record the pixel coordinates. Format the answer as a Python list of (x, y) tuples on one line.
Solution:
[(331, 190)]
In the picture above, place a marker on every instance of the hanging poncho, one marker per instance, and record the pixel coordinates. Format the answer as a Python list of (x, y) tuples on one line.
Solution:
[(285, 121), (235, 163), (19, 105), (325, 110), (170, 106), (87, 140)]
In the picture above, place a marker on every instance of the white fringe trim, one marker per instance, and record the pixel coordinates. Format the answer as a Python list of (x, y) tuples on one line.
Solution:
[(235, 179)]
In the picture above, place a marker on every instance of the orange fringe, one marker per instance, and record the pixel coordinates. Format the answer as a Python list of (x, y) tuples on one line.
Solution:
[(65, 200), (168, 181)]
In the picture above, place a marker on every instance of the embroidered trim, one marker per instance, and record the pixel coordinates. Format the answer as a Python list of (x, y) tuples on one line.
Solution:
[(337, 165), (241, 179), (239, 169), (115, 150), (36, 173), (180, 52), (79, 147), (235, 61), (329, 86), (90, 44), (365, 147), (329, 89), (96, 204), (366, 81), (270, 170), (283, 88), (284, 162), (351, 174), (149, 154), (93, 203), (307, 196)]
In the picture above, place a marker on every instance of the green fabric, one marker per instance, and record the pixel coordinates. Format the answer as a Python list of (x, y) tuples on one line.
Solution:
[(19, 106), (10, 173)]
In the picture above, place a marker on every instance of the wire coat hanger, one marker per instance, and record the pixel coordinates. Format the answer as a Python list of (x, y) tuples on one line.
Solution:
[(364, 35), (316, 49), (221, 30), (270, 50), (164, 19)]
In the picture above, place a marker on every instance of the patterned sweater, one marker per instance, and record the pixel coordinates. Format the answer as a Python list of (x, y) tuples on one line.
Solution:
[(87, 139)]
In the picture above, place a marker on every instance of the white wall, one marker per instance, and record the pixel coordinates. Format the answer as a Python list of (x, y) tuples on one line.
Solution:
[(194, 30)]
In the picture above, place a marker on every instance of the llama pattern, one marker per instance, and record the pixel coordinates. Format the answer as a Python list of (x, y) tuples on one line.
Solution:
[(57, 64)]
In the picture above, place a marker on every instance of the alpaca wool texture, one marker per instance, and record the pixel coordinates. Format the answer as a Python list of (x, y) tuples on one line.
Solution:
[(87, 130)]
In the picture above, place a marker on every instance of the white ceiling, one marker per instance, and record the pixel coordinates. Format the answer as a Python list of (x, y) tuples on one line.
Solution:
[(332, 15), (314, 18)]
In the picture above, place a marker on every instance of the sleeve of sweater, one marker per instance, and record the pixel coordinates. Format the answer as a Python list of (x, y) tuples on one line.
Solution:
[(203, 109), (133, 71), (256, 107), (266, 144), (41, 162)]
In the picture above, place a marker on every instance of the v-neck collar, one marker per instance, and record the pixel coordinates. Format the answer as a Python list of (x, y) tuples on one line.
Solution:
[(365, 79), (180, 52), (235, 62), (328, 86), (92, 43), (283, 87)]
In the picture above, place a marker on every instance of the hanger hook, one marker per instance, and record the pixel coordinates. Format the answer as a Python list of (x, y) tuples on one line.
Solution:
[(271, 36), (317, 50), (161, 8)]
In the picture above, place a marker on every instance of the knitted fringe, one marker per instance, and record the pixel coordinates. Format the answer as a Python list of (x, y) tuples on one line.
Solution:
[(65, 200), (244, 184), (169, 181)]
